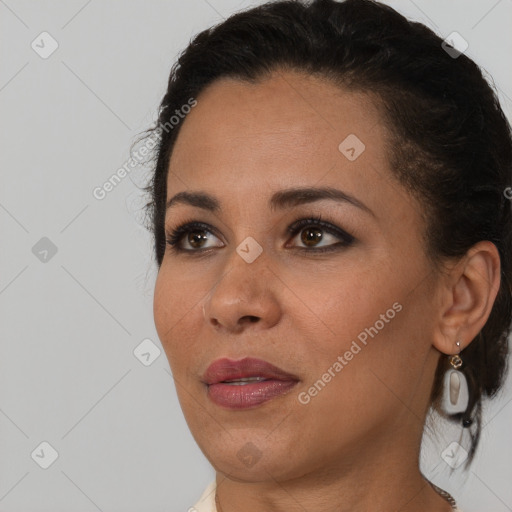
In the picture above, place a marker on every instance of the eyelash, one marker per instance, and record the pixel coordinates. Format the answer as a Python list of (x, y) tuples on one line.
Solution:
[(176, 235)]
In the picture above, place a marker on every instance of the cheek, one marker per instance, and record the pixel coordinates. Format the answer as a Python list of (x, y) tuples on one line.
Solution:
[(334, 308), (358, 378), (164, 304), (377, 353), (177, 313), (376, 321)]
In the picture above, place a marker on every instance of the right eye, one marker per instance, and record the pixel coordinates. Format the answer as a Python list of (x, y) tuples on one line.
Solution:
[(192, 237)]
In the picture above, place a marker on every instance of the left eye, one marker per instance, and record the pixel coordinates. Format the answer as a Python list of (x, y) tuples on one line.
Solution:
[(314, 233), (315, 237)]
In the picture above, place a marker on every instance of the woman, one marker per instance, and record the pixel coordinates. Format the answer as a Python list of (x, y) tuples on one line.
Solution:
[(333, 234)]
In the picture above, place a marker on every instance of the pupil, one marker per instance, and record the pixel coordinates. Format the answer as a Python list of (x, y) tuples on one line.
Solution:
[(195, 238), (311, 236)]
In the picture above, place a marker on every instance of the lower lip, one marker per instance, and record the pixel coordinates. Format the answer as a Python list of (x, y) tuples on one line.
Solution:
[(248, 395)]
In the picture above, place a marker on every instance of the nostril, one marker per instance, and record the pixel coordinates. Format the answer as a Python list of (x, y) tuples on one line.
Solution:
[(250, 318)]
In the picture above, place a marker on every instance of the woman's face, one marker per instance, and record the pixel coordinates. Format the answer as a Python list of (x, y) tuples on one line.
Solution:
[(342, 306)]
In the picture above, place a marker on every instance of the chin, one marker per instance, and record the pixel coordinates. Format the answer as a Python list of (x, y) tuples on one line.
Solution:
[(249, 457)]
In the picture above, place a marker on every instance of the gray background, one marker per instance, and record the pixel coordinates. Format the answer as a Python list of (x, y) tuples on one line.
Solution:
[(70, 323)]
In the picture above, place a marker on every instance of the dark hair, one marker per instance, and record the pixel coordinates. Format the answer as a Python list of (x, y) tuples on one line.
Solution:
[(450, 144)]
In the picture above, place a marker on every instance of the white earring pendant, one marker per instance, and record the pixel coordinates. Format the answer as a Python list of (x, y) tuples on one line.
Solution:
[(455, 392)]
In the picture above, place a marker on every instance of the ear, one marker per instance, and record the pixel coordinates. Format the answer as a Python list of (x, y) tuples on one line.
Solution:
[(468, 292)]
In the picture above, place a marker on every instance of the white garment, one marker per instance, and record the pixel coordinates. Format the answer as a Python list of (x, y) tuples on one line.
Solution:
[(206, 502)]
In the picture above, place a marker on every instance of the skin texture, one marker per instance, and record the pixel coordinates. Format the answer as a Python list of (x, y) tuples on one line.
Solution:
[(355, 445)]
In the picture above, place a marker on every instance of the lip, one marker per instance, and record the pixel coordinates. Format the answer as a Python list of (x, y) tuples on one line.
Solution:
[(273, 382)]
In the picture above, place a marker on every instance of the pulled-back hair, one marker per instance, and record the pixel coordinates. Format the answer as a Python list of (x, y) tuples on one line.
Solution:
[(449, 142)]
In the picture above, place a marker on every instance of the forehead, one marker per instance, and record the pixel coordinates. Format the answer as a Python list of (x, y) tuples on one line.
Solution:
[(287, 127)]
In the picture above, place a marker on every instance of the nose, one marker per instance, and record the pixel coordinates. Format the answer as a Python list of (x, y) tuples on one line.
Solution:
[(244, 297)]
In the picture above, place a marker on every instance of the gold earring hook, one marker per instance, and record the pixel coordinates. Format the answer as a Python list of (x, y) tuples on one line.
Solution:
[(455, 360)]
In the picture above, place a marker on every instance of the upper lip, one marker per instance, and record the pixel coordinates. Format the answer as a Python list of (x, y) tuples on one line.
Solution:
[(228, 369)]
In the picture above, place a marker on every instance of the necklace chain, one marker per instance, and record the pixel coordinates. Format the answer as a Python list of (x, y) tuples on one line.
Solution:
[(446, 495)]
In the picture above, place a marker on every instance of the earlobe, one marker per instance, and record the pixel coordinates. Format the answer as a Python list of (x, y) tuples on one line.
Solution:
[(468, 296)]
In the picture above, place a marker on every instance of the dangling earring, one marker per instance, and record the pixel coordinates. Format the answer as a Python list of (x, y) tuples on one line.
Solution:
[(455, 392)]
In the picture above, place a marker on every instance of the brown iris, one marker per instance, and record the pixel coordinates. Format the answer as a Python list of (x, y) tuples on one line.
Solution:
[(196, 238), (311, 236)]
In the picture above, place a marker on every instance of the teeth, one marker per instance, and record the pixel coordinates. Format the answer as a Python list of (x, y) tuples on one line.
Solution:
[(243, 381)]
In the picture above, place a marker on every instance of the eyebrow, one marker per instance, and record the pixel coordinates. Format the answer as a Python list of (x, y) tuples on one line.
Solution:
[(280, 200)]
